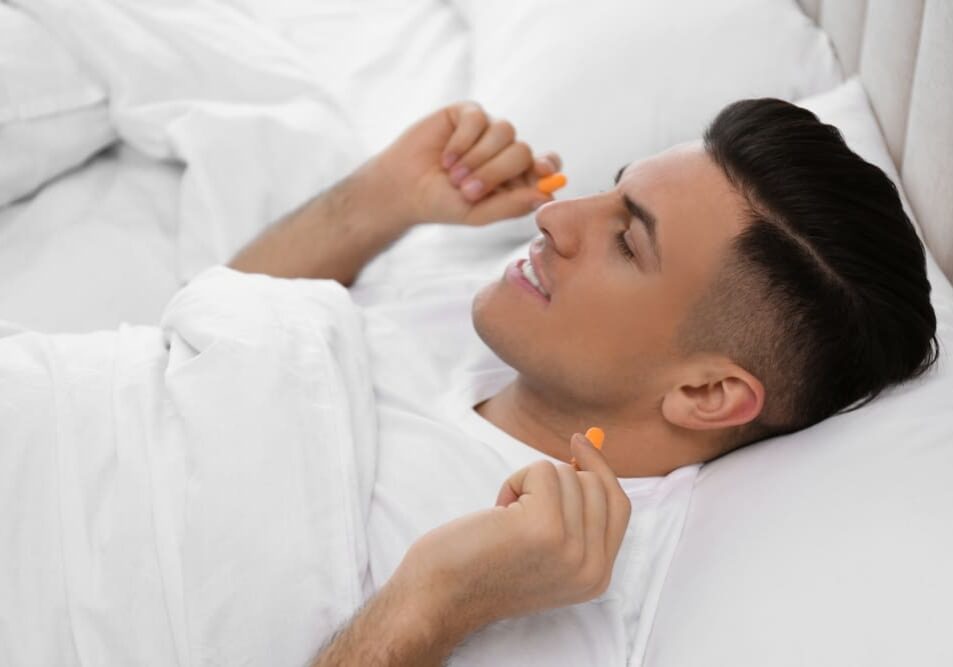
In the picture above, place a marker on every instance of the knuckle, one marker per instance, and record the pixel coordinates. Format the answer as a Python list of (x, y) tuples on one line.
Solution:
[(592, 575), (546, 468), (475, 112), (601, 586), (463, 105), (505, 128), (524, 151)]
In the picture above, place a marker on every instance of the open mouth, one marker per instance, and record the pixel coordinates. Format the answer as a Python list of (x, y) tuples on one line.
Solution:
[(530, 274), (522, 272)]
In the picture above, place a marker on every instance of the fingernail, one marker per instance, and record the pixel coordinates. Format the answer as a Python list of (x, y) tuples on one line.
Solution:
[(548, 166), (472, 188), (458, 173), (448, 160)]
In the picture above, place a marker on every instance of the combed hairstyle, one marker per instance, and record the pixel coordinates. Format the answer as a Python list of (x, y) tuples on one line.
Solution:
[(824, 295)]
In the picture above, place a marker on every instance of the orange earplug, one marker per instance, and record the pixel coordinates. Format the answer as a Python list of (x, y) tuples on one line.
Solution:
[(551, 183), (596, 436)]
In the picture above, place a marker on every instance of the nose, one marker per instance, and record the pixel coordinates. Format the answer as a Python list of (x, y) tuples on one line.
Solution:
[(568, 222)]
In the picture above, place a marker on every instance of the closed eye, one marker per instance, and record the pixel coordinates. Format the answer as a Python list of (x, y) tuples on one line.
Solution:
[(624, 247)]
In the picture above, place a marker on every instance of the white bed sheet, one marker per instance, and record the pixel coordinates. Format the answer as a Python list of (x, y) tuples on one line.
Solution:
[(94, 248)]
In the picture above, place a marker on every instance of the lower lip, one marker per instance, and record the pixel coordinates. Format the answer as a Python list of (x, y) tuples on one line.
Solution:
[(514, 274)]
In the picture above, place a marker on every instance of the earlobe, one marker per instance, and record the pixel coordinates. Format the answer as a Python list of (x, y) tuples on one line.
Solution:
[(732, 399)]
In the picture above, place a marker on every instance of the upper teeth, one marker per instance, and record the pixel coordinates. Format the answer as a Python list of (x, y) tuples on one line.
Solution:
[(531, 276)]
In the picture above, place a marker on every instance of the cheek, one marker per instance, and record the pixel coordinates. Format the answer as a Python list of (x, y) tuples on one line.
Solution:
[(644, 307), (628, 326)]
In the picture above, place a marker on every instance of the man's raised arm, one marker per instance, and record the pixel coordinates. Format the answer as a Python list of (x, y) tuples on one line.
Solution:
[(331, 236), (454, 166)]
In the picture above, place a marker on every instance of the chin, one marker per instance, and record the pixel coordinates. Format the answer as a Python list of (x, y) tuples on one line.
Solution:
[(495, 324)]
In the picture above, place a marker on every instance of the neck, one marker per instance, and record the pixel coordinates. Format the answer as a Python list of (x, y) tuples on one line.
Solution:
[(641, 446)]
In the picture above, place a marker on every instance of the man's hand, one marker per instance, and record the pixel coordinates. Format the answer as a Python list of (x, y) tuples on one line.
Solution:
[(551, 541), (336, 233), (458, 165)]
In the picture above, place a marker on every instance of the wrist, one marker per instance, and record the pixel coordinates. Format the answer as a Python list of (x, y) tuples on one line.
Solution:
[(380, 182), (429, 610)]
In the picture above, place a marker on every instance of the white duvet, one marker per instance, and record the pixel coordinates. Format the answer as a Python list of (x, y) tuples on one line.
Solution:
[(191, 495), (203, 84)]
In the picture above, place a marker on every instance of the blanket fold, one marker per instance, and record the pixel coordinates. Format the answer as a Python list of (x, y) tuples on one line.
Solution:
[(194, 494)]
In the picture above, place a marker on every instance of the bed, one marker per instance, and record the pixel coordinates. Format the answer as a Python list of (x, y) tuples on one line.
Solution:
[(827, 547)]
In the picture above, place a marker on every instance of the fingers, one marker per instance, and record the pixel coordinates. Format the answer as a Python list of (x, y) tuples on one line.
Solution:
[(587, 506), (538, 478), (469, 121), (513, 159), (572, 505), (618, 506), (498, 135), (547, 164), (483, 154), (596, 523), (506, 203)]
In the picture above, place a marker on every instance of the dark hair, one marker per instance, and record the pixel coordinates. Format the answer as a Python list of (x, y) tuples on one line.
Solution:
[(824, 296)]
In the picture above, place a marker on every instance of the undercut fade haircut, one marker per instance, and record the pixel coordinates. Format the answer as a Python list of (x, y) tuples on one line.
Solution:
[(824, 295)]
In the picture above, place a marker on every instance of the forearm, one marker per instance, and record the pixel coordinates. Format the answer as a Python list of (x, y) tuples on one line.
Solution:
[(334, 235), (393, 629)]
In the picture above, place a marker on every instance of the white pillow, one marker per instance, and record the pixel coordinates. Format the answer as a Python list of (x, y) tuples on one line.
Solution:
[(52, 115), (607, 82), (391, 61), (37, 150), (38, 76), (830, 546)]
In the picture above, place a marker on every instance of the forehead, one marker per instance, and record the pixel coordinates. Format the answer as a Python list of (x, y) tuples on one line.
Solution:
[(696, 208)]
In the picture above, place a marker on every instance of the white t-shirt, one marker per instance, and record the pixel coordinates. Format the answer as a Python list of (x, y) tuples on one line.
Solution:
[(439, 459)]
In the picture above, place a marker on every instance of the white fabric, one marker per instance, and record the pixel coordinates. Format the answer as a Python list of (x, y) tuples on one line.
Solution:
[(52, 115), (604, 83), (390, 61), (830, 546), (38, 77), (94, 248), (194, 495), (439, 459), (39, 149), (204, 84)]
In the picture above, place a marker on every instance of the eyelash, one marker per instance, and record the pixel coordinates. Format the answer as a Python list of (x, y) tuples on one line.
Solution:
[(624, 247)]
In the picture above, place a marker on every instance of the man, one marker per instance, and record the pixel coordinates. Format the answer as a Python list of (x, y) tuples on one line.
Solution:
[(722, 292)]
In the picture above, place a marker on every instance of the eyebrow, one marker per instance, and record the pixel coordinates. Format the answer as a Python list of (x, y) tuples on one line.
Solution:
[(643, 215)]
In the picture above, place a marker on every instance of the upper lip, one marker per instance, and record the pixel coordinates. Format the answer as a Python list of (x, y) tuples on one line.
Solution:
[(536, 259)]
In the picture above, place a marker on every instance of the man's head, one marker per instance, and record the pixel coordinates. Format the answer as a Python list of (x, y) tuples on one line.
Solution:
[(775, 280)]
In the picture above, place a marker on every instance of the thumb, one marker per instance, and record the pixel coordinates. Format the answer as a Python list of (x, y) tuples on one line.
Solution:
[(506, 496), (504, 204)]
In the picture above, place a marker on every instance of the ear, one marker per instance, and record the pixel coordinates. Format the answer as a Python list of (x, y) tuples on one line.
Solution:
[(716, 395)]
